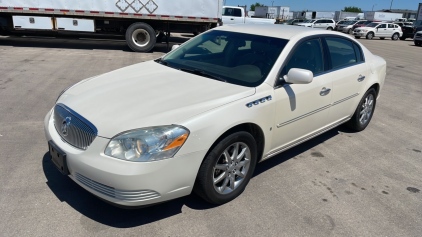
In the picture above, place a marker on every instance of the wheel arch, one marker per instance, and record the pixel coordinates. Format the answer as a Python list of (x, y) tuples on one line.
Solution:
[(252, 128)]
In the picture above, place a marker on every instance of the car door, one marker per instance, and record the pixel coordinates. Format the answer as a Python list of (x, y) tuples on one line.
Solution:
[(232, 16), (319, 24), (381, 30), (301, 109), (348, 70)]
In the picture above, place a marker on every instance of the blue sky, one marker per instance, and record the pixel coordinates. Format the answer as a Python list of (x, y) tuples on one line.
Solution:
[(331, 5)]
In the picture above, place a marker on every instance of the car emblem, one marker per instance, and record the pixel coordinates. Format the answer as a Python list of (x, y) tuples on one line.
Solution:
[(65, 125)]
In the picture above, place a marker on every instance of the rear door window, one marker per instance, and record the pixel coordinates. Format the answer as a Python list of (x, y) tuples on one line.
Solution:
[(343, 52)]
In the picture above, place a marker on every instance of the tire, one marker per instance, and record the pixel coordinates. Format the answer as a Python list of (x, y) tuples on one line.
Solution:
[(370, 35), (383, 38), (417, 43), (215, 185), (357, 37), (395, 36), (364, 111), (140, 37), (402, 38), (350, 31), (329, 28)]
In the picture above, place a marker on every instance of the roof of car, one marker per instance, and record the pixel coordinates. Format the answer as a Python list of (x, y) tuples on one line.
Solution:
[(275, 30)]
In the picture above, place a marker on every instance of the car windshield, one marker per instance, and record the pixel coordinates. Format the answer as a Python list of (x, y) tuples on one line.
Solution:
[(237, 58), (372, 24), (417, 23)]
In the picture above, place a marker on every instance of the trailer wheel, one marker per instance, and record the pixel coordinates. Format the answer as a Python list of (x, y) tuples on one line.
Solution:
[(140, 37)]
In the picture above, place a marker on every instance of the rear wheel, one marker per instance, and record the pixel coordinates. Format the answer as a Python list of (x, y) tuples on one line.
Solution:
[(395, 36), (370, 35), (227, 168), (140, 37), (364, 111)]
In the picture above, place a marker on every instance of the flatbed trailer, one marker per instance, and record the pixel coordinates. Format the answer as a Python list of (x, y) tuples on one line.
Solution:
[(142, 22)]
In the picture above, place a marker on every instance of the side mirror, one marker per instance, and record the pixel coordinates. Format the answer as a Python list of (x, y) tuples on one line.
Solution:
[(299, 76), (175, 47)]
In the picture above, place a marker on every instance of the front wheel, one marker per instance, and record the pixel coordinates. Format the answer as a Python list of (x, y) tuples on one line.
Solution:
[(364, 111), (395, 36), (140, 37), (227, 168), (370, 35)]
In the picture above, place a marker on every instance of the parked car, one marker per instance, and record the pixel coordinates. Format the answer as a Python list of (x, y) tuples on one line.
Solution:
[(379, 29), (201, 117), (327, 24), (293, 21), (364, 23), (408, 30), (347, 27), (417, 39)]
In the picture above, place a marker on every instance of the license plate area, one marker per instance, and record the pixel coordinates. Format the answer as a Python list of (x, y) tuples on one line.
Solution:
[(58, 157)]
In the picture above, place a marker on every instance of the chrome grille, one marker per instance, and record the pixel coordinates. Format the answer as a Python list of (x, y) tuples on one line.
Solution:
[(136, 195), (73, 128)]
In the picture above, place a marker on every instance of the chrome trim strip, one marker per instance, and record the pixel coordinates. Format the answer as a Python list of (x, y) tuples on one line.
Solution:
[(125, 195), (304, 139), (303, 116), (347, 98)]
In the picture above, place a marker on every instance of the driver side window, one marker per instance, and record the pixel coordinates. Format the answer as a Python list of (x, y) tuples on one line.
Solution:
[(307, 55)]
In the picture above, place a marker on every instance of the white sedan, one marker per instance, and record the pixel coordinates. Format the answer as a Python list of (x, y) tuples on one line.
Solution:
[(201, 117)]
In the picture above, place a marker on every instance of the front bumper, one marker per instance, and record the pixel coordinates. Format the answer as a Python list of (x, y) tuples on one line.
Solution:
[(361, 34), (127, 183)]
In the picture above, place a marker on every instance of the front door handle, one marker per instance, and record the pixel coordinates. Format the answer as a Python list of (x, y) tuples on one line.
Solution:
[(231, 19), (361, 78), (324, 91)]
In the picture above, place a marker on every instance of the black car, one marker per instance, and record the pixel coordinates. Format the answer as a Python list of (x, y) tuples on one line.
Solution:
[(409, 31)]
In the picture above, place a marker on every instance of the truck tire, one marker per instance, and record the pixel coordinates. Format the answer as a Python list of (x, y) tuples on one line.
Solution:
[(140, 37)]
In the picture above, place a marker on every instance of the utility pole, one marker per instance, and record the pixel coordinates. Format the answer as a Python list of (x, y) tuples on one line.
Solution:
[(373, 7), (391, 4)]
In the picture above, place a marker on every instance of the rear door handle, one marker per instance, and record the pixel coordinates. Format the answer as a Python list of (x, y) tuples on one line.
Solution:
[(361, 78), (324, 91)]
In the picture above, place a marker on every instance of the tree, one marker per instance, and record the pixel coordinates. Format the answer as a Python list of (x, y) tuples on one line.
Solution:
[(256, 5), (352, 9)]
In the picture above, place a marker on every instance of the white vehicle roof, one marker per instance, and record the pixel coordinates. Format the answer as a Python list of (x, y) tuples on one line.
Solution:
[(275, 30)]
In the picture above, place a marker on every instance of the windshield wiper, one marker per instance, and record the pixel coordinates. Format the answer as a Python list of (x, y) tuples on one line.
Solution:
[(161, 61), (202, 73)]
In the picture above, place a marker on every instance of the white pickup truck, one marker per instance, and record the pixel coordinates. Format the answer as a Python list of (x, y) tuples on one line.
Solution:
[(237, 15)]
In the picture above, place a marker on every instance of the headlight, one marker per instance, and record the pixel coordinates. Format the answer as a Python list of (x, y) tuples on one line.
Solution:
[(148, 144)]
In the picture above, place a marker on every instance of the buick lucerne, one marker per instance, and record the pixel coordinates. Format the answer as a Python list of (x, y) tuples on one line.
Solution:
[(201, 117)]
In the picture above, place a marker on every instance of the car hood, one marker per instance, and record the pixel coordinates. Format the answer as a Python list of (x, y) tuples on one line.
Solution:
[(364, 28), (147, 94), (304, 24)]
